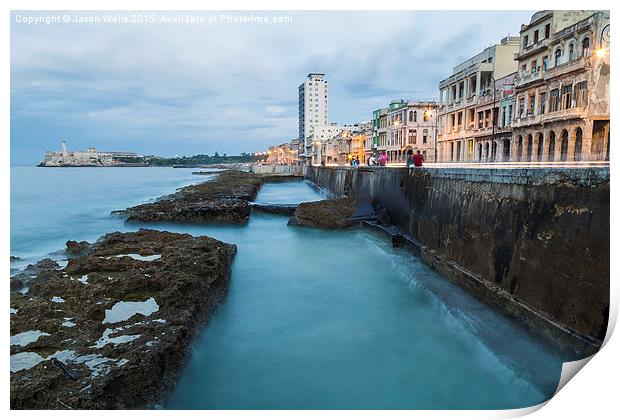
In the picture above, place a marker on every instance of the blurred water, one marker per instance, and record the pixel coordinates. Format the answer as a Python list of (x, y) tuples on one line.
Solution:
[(313, 318)]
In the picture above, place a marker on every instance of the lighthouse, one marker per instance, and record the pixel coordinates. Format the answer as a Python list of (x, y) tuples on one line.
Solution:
[(63, 148)]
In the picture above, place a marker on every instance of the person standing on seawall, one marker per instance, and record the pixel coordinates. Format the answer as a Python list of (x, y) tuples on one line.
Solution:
[(383, 159), (410, 160), (418, 159)]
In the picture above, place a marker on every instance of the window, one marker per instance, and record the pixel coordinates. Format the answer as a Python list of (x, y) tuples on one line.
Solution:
[(425, 117), (545, 62), (581, 94), (521, 106), (585, 46), (571, 52), (523, 68), (535, 36), (567, 97), (534, 63), (415, 116), (413, 136), (509, 114), (525, 40), (424, 135), (410, 116), (532, 104), (543, 102), (558, 55), (554, 100), (547, 30)]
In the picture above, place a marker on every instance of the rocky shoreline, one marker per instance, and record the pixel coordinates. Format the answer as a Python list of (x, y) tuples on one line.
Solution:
[(112, 329), (224, 199)]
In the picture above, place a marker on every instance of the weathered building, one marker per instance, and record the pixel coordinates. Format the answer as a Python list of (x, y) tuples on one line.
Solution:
[(468, 112), (409, 125), (562, 87)]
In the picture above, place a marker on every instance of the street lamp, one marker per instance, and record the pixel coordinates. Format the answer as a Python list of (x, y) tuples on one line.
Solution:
[(493, 120), (429, 113)]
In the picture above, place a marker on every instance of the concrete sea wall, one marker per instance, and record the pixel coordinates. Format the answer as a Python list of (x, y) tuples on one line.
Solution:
[(533, 243)]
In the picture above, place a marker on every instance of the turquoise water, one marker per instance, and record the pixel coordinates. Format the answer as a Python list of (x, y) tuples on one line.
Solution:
[(313, 319)]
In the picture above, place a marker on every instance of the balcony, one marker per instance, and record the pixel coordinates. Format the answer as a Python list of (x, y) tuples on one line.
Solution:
[(528, 78), (582, 63)]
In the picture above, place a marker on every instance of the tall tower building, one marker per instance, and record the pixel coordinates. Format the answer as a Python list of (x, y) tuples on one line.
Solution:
[(312, 107)]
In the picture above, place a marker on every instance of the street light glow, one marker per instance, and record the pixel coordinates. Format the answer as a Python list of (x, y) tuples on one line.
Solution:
[(601, 52)]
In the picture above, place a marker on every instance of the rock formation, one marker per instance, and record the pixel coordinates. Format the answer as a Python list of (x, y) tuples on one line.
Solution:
[(327, 214), (112, 329)]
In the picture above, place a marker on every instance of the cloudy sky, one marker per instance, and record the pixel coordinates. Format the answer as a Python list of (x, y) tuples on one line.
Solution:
[(181, 89)]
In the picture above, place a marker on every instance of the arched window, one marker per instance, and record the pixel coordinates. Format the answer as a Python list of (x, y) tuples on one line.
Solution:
[(424, 136), (578, 143), (506, 153), (415, 116), (539, 150), (551, 146), (558, 55), (425, 116), (410, 116), (585, 46), (530, 146), (519, 148), (571, 52), (564, 146)]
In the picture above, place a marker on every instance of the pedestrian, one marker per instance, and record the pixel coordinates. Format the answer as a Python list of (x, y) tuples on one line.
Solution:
[(383, 158), (357, 161), (410, 160), (418, 159)]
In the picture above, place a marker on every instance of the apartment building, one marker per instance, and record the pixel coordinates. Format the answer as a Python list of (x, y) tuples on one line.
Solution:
[(408, 125), (562, 87), (468, 110), (313, 106)]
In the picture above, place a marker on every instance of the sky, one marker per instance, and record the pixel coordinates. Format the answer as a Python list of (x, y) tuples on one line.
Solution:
[(171, 89)]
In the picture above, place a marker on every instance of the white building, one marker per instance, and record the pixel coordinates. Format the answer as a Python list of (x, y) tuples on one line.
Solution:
[(313, 107), (90, 157), (468, 111)]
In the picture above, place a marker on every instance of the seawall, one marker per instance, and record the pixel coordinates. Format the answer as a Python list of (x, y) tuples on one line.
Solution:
[(533, 243)]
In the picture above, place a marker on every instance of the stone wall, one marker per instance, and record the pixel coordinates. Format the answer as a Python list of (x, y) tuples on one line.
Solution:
[(531, 242), (278, 170)]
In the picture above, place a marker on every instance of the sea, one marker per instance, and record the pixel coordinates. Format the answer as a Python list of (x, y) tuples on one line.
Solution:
[(313, 319)]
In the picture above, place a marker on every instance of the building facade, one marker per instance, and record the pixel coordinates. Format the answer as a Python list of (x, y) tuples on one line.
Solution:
[(562, 88), (313, 107), (408, 125), (469, 111)]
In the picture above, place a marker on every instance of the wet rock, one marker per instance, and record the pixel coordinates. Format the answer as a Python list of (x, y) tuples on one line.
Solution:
[(224, 199), (75, 249), (283, 209), (327, 214), (14, 258), (112, 330), (33, 273)]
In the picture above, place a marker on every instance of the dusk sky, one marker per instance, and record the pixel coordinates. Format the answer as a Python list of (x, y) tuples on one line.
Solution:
[(184, 89)]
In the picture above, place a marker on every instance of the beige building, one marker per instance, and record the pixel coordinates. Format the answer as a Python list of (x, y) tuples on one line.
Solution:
[(408, 125), (469, 111), (562, 88)]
